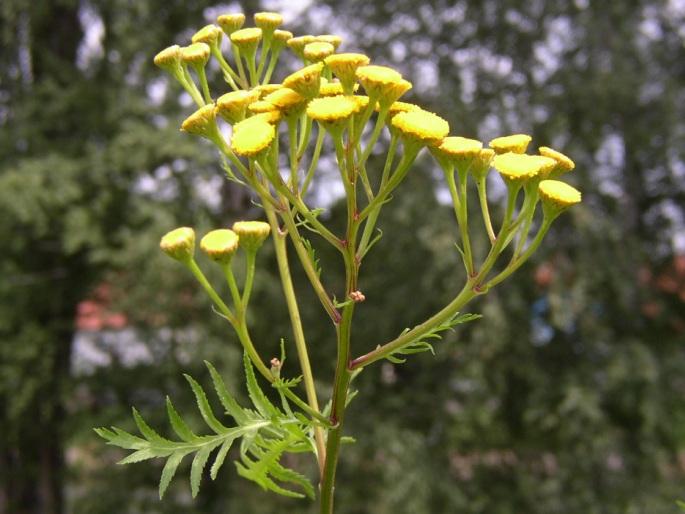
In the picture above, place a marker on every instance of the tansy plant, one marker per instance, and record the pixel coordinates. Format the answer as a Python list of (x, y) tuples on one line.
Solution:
[(342, 97)]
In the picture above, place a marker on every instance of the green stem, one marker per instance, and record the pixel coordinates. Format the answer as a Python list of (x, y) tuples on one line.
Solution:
[(197, 273), (315, 160), (469, 291), (483, 198), (279, 238)]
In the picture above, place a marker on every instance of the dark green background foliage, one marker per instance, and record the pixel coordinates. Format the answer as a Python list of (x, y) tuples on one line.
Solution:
[(567, 397)]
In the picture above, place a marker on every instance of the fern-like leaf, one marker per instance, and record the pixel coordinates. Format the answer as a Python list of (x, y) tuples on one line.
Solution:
[(266, 433)]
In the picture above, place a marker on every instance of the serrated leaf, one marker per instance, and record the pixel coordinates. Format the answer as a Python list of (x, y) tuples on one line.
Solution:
[(147, 432), (199, 463), (204, 407), (220, 457), (232, 408), (179, 426), (259, 399), (170, 470)]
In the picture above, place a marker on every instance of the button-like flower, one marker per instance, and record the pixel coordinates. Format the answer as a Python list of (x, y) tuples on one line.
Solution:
[(179, 244), (456, 151), (382, 84), (516, 169), (230, 23), (564, 164), (318, 51), (556, 197), (232, 106), (518, 143), (211, 35), (333, 39), (251, 234), (306, 81), (252, 137), (196, 55), (290, 103), (247, 41), (203, 123), (344, 66), (279, 40), (418, 128), (333, 112), (297, 45), (481, 164), (220, 245), (170, 59), (268, 21)]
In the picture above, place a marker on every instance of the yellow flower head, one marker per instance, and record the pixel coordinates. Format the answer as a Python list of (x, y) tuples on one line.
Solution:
[(297, 45), (517, 143), (382, 84), (266, 89), (220, 245), (211, 35), (333, 112), (318, 51), (457, 151), (229, 23), (196, 55), (290, 103), (564, 164), (251, 234), (279, 40), (306, 81), (516, 169), (268, 21), (232, 106), (418, 128), (480, 166), (330, 38), (203, 123), (556, 197), (179, 244), (252, 136), (344, 66), (262, 106), (547, 165), (170, 59), (247, 41)]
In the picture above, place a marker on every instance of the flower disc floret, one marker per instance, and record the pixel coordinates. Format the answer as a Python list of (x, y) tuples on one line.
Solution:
[(252, 137), (419, 127), (220, 245), (518, 143)]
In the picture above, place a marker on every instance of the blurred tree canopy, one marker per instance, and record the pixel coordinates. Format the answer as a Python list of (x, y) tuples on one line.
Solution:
[(567, 397)]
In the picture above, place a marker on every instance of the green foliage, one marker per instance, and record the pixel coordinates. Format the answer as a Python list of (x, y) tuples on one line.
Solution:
[(266, 433)]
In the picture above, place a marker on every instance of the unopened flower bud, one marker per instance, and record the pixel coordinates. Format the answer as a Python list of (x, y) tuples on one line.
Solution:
[(170, 59), (252, 234), (230, 23), (481, 164), (556, 197), (220, 245), (279, 40), (517, 143), (232, 106), (203, 123), (179, 244)]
